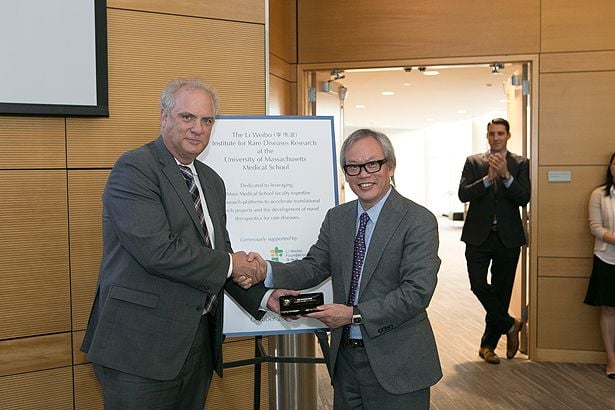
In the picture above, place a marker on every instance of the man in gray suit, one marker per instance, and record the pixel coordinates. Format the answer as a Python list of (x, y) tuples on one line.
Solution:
[(381, 252), (155, 330)]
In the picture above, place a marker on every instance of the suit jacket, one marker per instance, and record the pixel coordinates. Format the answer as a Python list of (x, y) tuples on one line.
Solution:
[(156, 272), (399, 278), (502, 203)]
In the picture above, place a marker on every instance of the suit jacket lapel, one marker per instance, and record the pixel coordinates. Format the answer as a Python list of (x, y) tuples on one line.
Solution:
[(388, 221), (171, 171)]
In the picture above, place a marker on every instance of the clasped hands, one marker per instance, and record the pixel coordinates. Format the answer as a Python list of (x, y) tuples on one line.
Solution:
[(497, 167), (248, 269)]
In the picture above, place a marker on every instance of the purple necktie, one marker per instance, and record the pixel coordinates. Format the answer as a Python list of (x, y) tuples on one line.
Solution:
[(357, 264), (210, 302)]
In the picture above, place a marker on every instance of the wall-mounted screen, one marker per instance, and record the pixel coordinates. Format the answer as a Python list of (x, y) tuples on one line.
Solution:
[(53, 57)]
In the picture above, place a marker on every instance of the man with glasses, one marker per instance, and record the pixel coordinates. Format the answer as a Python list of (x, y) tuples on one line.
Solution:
[(381, 252), (495, 183)]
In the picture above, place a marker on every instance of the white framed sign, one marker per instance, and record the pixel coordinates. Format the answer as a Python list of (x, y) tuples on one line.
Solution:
[(281, 179)]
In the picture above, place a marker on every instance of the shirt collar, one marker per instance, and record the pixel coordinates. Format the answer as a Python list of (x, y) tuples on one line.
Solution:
[(190, 165), (374, 211)]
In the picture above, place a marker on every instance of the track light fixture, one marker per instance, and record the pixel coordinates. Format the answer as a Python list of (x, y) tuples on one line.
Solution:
[(338, 74), (496, 67)]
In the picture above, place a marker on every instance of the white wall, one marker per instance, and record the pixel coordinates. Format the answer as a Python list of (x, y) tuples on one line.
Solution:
[(430, 160)]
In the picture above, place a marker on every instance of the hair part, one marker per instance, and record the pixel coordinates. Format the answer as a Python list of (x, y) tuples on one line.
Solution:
[(168, 96), (500, 121)]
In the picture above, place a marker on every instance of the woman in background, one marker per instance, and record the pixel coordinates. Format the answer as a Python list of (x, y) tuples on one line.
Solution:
[(601, 289)]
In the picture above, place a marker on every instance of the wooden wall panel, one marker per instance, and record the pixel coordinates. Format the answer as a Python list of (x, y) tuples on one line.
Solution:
[(563, 227), (34, 291), (575, 62), (78, 356), (565, 267), (359, 30), (282, 69), (27, 142), (88, 393), (283, 30), (236, 389), (282, 99), (85, 188), (577, 25), (35, 353), (140, 67), (584, 135), (48, 390), (252, 11), (565, 321)]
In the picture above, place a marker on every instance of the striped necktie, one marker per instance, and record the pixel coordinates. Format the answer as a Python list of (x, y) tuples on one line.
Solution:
[(196, 199), (211, 301)]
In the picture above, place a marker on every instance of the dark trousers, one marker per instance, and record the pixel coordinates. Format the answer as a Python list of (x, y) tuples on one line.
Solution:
[(494, 296), (123, 391), (355, 386)]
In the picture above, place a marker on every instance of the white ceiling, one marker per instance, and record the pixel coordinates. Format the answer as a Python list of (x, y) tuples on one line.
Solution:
[(419, 100)]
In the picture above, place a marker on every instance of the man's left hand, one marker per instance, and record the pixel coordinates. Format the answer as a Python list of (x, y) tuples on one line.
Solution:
[(333, 315), (273, 303)]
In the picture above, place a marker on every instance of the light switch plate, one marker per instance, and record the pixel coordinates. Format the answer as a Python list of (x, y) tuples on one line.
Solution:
[(559, 176)]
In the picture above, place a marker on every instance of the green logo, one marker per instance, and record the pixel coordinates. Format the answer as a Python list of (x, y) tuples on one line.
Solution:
[(276, 254)]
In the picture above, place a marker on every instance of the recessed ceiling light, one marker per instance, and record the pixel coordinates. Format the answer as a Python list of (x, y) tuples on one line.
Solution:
[(359, 106), (431, 72), (503, 101), (388, 93), (406, 84)]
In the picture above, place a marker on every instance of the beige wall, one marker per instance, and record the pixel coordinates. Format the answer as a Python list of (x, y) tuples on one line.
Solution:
[(282, 57), (53, 170), (572, 44)]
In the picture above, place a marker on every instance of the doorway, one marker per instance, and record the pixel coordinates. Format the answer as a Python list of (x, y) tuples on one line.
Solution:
[(435, 113)]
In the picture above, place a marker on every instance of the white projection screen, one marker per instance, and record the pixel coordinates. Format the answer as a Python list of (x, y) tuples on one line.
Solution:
[(53, 57)]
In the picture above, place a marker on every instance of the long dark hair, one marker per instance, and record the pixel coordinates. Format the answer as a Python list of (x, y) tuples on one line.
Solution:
[(609, 178)]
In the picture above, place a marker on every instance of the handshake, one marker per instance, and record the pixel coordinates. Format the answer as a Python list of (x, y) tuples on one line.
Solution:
[(248, 269)]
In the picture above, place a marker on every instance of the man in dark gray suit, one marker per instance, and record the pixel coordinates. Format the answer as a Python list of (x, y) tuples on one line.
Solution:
[(155, 330), (496, 184), (383, 352)]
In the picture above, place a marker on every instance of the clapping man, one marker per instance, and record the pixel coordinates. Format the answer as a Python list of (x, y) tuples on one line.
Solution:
[(496, 183)]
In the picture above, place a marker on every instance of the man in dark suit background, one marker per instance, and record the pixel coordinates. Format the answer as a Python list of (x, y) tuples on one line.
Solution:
[(496, 184), (155, 330), (383, 351)]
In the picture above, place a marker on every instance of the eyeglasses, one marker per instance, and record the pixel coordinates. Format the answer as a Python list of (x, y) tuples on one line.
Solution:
[(370, 167)]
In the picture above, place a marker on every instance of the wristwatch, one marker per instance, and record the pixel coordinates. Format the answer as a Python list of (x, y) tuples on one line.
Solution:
[(356, 316)]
